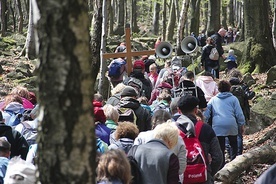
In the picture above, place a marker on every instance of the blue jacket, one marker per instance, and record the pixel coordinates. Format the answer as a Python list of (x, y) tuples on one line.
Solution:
[(227, 114)]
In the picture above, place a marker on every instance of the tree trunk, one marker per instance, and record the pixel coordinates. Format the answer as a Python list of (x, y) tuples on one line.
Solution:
[(110, 10), (67, 148), (176, 9), (205, 14), (195, 14), (120, 29), (181, 25), (164, 21), (12, 12), (231, 13), (259, 53), (20, 22), (274, 25), (156, 17), (3, 17), (224, 16), (171, 23), (233, 169), (134, 24), (213, 24), (104, 86), (30, 47)]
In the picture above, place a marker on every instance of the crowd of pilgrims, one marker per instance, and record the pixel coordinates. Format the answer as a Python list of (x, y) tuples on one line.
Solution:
[(142, 119)]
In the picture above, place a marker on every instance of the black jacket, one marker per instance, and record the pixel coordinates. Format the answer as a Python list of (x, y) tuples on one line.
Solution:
[(143, 121), (218, 41), (205, 60), (188, 87), (19, 145)]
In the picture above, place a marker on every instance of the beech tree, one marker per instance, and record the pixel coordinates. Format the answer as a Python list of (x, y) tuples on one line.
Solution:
[(259, 53), (66, 143)]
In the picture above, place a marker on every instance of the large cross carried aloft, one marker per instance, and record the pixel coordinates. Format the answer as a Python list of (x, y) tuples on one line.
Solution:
[(128, 54)]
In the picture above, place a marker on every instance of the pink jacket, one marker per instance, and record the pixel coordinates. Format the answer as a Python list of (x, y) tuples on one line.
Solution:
[(208, 86)]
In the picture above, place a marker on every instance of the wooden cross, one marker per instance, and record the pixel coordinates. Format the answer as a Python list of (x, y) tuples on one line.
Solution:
[(128, 54)]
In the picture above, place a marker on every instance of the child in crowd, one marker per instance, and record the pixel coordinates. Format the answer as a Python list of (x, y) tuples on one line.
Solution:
[(231, 60)]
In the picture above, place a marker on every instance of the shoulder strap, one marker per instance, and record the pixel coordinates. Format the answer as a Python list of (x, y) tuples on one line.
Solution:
[(198, 127)]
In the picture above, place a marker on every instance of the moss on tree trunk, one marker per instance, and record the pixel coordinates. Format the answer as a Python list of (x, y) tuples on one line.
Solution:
[(259, 52)]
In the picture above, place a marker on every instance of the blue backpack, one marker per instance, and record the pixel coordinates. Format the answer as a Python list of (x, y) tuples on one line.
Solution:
[(114, 70), (15, 118)]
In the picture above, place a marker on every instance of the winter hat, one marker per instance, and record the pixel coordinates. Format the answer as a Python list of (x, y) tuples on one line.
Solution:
[(129, 91), (152, 57), (187, 103), (234, 81), (139, 64), (231, 52)]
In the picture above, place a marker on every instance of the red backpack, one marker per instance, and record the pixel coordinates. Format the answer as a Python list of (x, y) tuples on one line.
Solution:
[(196, 170)]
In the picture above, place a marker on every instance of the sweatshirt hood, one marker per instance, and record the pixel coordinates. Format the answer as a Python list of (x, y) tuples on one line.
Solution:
[(224, 95), (206, 79), (14, 107)]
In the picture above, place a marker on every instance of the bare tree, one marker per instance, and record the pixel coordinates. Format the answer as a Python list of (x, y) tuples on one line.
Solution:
[(171, 23), (274, 25), (29, 47), (156, 17), (121, 19), (195, 14), (4, 23), (231, 13), (214, 16), (66, 148), (181, 24), (20, 14), (104, 85)]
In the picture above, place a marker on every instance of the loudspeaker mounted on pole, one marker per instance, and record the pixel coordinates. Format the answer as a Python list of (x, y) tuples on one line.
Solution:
[(164, 50), (189, 45)]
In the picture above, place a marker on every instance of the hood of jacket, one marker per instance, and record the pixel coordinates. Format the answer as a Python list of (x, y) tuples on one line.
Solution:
[(164, 85), (187, 83), (98, 112), (128, 102), (137, 75), (206, 79), (14, 107), (224, 95)]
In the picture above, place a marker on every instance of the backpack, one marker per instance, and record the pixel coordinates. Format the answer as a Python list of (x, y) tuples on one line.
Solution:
[(238, 91), (196, 170), (114, 70), (127, 114), (29, 133), (135, 169), (137, 84), (214, 55), (15, 118)]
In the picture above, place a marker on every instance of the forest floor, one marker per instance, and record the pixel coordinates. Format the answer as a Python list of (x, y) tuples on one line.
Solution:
[(247, 177)]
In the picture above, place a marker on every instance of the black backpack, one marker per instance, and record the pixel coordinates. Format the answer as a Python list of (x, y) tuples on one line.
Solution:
[(135, 168)]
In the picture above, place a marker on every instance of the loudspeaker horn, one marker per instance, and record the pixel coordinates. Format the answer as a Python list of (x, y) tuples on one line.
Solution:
[(164, 50), (189, 45)]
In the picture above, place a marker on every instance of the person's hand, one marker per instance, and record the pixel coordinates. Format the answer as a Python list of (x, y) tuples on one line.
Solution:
[(209, 158), (242, 129), (202, 68)]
